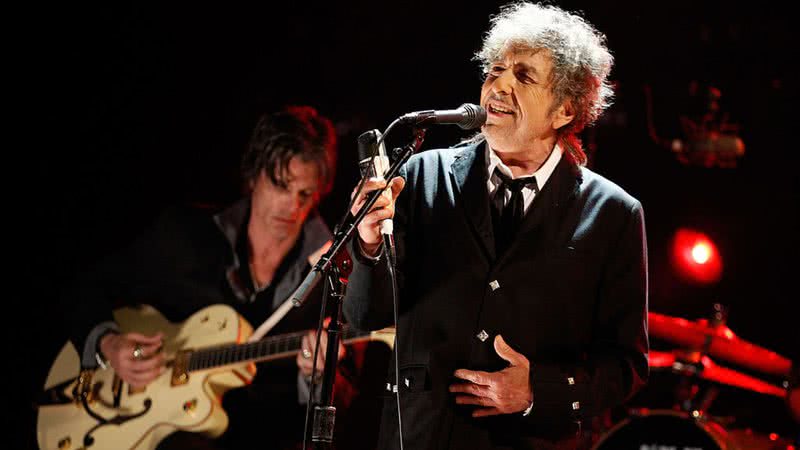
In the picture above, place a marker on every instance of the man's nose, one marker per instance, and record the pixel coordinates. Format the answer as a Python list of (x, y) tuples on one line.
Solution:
[(296, 202), (504, 84)]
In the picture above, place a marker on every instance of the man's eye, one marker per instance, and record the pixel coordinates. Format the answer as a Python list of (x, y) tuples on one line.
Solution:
[(523, 77), (496, 69)]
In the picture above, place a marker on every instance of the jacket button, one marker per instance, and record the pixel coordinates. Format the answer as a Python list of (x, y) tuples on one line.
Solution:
[(494, 285), (483, 335)]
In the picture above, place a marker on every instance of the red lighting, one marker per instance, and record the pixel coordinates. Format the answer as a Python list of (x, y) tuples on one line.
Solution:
[(695, 257), (701, 252)]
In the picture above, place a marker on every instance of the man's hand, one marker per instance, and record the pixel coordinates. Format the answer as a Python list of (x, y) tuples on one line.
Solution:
[(505, 392), (369, 228), (305, 359), (137, 359)]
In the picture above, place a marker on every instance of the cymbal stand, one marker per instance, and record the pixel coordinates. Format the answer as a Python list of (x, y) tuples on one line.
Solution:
[(691, 365)]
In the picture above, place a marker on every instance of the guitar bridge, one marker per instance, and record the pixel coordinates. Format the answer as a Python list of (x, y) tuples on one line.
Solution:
[(180, 372)]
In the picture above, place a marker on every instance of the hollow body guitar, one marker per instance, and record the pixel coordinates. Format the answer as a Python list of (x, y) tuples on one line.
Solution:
[(207, 356)]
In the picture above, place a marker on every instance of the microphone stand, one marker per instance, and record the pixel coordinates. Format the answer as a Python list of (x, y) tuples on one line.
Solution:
[(325, 412), (324, 415)]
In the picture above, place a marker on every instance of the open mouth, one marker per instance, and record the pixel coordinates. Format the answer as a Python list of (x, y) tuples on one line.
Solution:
[(497, 109)]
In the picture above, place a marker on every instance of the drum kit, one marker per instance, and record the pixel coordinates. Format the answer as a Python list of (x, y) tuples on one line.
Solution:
[(688, 422)]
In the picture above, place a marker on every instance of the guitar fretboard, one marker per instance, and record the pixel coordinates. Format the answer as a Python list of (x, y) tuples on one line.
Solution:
[(277, 346)]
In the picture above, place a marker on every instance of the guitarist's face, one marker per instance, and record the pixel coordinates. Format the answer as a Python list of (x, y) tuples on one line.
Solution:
[(282, 210)]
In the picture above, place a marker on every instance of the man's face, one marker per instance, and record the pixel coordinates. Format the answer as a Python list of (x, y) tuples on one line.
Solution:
[(517, 97), (283, 210)]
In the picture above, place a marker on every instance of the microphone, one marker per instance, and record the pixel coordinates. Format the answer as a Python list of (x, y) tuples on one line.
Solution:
[(466, 116), (373, 162), (372, 159)]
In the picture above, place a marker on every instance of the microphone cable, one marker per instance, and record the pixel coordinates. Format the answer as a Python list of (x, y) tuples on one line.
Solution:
[(391, 262)]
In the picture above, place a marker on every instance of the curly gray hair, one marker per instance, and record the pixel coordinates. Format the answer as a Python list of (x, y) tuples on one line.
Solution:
[(581, 60)]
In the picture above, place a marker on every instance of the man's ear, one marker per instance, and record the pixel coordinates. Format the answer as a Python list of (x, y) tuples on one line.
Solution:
[(563, 115)]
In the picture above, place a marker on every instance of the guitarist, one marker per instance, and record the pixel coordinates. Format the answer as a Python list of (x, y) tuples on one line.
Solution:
[(250, 255)]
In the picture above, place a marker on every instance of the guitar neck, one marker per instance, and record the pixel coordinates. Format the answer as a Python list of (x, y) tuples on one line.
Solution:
[(275, 347)]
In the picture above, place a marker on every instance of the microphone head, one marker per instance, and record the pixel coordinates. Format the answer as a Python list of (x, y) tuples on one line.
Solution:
[(372, 158), (367, 145), (474, 116)]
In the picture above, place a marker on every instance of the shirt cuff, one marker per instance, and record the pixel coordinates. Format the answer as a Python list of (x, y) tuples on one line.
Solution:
[(528, 409), (363, 254), (304, 388)]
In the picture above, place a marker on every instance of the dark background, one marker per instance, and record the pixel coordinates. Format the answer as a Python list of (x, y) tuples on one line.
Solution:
[(132, 107)]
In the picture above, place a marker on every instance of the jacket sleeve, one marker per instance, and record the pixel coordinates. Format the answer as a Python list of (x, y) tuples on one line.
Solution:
[(368, 303)]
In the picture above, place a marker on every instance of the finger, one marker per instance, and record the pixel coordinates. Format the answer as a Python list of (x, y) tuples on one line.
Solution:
[(374, 183), (475, 376), (473, 400), (376, 216), (148, 351), (304, 362), (341, 352), (130, 375), (509, 354), (304, 365), (323, 339), (470, 388), (380, 205), (308, 341), (370, 185), (484, 412), (155, 362), (145, 339), (147, 376), (323, 348), (398, 183)]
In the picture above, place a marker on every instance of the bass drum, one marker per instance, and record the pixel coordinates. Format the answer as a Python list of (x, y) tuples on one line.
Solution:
[(673, 430)]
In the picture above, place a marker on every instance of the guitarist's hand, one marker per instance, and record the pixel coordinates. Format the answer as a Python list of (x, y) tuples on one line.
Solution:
[(118, 349), (308, 343)]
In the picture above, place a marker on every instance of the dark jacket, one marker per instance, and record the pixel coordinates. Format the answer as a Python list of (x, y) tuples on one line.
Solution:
[(570, 294)]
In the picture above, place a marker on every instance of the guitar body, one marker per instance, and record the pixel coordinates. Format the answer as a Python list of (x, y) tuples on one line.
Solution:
[(164, 406)]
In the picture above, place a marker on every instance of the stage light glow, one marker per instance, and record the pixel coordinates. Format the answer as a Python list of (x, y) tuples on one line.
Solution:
[(695, 257)]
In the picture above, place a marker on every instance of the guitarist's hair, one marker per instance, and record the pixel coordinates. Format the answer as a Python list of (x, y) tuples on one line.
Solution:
[(295, 131)]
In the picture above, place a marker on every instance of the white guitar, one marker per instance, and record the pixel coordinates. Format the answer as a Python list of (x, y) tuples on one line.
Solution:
[(207, 356)]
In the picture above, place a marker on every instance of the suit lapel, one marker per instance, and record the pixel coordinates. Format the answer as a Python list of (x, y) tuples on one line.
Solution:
[(469, 176), (551, 201)]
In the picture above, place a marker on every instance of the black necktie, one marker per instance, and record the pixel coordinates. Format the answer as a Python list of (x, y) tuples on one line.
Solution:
[(510, 216)]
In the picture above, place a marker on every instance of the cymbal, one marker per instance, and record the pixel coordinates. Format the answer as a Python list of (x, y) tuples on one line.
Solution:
[(717, 341), (708, 370)]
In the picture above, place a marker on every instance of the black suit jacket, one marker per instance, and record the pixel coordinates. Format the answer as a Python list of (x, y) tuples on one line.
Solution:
[(570, 294)]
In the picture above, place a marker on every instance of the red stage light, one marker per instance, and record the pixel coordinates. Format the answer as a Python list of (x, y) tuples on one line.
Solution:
[(695, 257), (701, 252)]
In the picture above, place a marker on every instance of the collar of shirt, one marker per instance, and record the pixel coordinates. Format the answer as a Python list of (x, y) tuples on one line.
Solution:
[(542, 175)]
